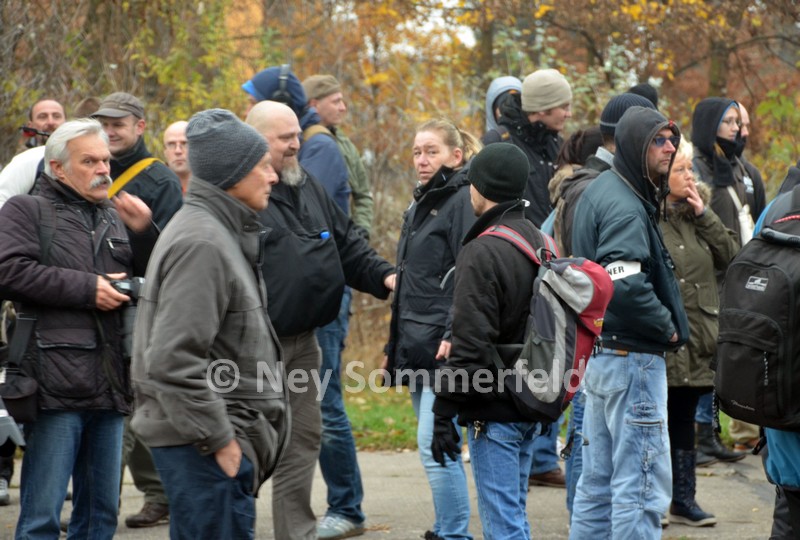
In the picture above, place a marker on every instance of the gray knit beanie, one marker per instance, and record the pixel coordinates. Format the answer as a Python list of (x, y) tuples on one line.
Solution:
[(545, 89), (499, 172), (222, 148), (616, 107)]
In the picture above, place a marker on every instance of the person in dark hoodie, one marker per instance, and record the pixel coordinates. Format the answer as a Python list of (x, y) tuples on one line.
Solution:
[(626, 483), (488, 311), (419, 342), (532, 122), (717, 139), (320, 156)]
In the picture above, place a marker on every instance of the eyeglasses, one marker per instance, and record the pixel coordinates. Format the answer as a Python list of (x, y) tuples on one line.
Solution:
[(661, 141), (731, 121)]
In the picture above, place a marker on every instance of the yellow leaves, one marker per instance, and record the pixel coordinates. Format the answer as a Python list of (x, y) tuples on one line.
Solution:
[(634, 11), (543, 10), (377, 79)]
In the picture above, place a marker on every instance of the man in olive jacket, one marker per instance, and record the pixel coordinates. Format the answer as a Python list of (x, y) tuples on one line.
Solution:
[(207, 368)]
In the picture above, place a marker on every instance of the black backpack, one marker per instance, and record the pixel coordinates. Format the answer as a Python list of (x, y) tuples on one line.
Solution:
[(757, 367)]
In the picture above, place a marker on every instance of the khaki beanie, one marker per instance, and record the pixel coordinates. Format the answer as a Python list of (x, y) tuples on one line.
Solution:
[(545, 89), (320, 86)]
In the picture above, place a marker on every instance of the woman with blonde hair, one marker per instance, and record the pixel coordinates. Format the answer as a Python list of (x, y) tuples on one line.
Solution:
[(433, 227), (700, 245)]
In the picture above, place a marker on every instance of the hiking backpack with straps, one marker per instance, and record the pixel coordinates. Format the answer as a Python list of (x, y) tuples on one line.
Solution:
[(568, 302), (757, 363)]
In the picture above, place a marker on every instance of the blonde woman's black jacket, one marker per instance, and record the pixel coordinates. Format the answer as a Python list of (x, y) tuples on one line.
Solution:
[(430, 239)]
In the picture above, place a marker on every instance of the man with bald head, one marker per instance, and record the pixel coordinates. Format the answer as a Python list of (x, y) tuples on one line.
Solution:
[(176, 153), (312, 252)]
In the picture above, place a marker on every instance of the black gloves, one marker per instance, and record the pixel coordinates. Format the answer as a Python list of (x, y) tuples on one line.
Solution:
[(445, 440)]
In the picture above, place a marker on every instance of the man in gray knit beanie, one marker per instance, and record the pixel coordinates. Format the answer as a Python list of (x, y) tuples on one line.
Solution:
[(215, 433)]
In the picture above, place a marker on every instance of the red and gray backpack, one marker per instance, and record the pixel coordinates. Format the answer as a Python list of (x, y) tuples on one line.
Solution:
[(568, 303)]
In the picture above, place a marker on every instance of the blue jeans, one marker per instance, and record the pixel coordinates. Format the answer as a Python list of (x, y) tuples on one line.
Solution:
[(545, 456), (626, 483), (449, 483), (704, 412), (204, 502), (337, 456), (86, 445), (574, 464), (501, 457)]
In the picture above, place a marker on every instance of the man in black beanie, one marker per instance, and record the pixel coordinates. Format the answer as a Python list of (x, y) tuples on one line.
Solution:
[(207, 366), (490, 308)]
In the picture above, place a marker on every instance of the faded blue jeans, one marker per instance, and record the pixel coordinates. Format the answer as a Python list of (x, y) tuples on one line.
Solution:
[(449, 483), (337, 456), (501, 457), (626, 423), (86, 445), (574, 464)]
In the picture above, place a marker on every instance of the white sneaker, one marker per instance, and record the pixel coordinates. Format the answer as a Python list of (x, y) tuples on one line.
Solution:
[(335, 527), (5, 498)]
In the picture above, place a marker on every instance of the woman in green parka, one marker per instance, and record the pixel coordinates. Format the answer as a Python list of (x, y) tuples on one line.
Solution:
[(699, 245)]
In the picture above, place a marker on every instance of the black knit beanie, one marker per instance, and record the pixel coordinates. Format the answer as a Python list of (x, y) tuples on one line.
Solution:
[(222, 148), (499, 172), (616, 107)]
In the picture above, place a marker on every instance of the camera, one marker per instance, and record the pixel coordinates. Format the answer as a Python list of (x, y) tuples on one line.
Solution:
[(133, 289)]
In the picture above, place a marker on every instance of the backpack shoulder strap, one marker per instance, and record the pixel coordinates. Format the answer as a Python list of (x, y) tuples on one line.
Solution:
[(47, 227), (517, 240), (317, 129), (129, 174)]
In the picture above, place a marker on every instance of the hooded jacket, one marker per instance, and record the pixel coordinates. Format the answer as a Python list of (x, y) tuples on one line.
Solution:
[(718, 165), (540, 146), (699, 245), (156, 185), (433, 227), (204, 304), (616, 225), (498, 87)]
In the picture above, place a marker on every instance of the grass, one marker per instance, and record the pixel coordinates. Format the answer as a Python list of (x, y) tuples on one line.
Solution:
[(386, 421)]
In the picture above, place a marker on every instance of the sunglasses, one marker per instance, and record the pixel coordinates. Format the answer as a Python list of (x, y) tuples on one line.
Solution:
[(33, 132), (661, 141)]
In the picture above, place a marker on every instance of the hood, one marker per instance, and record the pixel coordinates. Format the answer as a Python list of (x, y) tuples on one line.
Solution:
[(266, 83), (792, 179), (705, 123), (635, 130), (498, 87)]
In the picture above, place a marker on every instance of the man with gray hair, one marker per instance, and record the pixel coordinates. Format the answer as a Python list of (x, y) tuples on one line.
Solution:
[(203, 315), (61, 253)]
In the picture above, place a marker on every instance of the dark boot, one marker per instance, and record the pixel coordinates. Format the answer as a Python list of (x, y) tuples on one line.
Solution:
[(684, 508), (150, 515), (704, 460), (708, 443)]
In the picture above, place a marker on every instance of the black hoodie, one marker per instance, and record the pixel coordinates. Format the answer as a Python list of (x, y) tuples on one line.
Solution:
[(717, 163), (616, 226)]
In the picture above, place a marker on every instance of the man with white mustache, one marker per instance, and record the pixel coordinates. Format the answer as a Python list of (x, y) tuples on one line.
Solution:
[(60, 251)]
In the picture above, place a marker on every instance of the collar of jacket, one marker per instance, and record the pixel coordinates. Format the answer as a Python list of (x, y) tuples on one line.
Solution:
[(233, 214), (137, 153), (442, 181), (54, 189), (684, 211), (496, 214)]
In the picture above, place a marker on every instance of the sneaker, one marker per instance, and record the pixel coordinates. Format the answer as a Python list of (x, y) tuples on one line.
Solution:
[(554, 478), (691, 515), (334, 527), (430, 535), (150, 515), (5, 498), (746, 446), (664, 521)]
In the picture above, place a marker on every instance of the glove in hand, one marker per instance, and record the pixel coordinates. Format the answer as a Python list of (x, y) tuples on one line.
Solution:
[(445, 440)]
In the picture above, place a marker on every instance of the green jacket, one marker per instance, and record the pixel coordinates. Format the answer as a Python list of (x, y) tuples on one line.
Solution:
[(698, 246), (361, 211)]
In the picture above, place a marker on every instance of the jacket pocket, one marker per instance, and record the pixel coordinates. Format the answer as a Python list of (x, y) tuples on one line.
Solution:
[(69, 362), (263, 434)]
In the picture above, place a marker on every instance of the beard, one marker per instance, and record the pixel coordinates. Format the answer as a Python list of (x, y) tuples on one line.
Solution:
[(100, 181), (292, 174)]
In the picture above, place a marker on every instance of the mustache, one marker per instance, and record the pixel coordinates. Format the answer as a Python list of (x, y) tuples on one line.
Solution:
[(100, 181)]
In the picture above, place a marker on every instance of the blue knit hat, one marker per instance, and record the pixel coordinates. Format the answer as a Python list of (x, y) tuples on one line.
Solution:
[(278, 83)]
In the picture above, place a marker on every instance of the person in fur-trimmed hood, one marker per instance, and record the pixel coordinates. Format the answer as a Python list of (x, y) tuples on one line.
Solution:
[(700, 245)]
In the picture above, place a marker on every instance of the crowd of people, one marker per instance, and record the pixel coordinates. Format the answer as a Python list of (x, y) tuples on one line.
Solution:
[(250, 239)]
